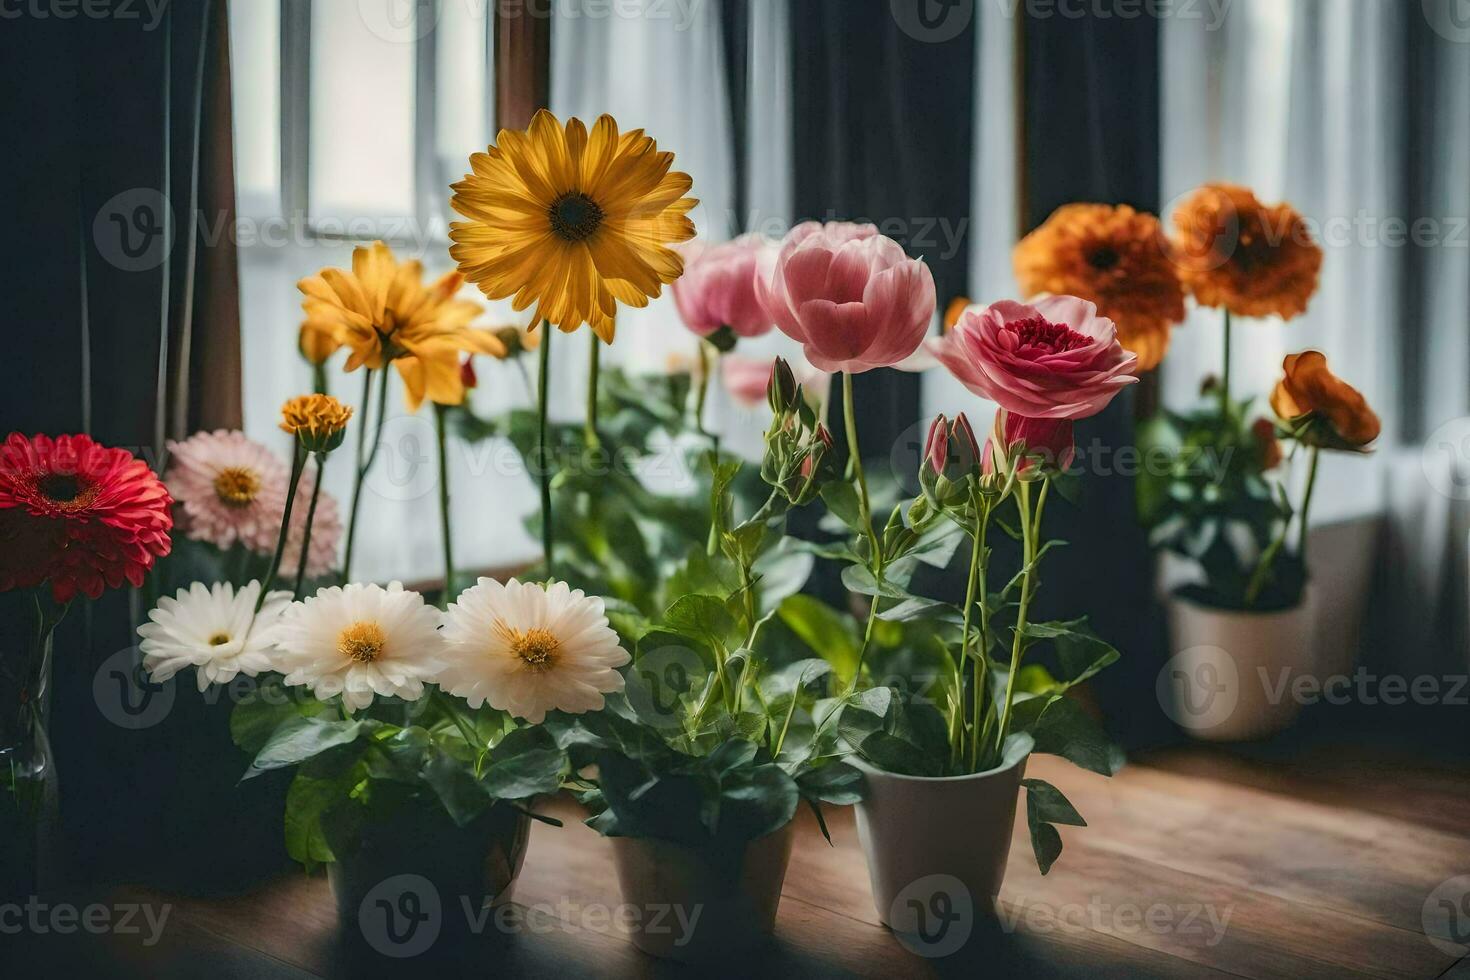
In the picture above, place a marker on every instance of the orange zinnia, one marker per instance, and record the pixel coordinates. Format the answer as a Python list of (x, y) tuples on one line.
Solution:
[(1113, 257), (1325, 410), (1233, 251)]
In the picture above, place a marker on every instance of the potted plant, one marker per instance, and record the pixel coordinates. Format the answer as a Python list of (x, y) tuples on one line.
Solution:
[(1215, 492)]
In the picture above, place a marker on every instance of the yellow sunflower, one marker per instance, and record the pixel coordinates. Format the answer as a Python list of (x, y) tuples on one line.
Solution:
[(571, 221), (382, 311), (1114, 257)]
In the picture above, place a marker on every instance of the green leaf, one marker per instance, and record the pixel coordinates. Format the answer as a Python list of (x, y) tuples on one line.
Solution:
[(307, 801), (782, 570), (1061, 727), (301, 738), (827, 633), (842, 501), (257, 715), (1045, 806), (858, 579), (526, 763), (457, 789), (917, 608), (756, 800), (837, 783), (701, 615)]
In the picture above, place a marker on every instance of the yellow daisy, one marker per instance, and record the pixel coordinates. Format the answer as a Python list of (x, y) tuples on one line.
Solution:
[(382, 311), (571, 221)]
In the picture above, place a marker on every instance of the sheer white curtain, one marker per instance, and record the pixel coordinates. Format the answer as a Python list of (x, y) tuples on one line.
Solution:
[(376, 169)]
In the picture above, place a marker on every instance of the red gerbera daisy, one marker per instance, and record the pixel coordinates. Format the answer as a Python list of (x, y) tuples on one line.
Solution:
[(78, 515)]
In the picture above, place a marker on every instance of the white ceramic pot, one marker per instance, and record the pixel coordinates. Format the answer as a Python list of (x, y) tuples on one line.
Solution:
[(702, 904), (936, 846), (1231, 674)]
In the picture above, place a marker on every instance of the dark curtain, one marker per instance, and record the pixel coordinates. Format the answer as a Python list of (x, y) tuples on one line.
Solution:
[(882, 110), (122, 322), (1091, 133)]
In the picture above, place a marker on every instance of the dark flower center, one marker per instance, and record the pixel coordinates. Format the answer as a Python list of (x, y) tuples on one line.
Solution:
[(574, 216), (1103, 259), (1036, 336), (61, 488)]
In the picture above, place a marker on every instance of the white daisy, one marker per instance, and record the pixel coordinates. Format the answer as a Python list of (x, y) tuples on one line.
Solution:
[(359, 641), (213, 629), (229, 488), (529, 650)]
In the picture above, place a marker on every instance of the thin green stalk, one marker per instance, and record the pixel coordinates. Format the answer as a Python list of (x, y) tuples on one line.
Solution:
[(316, 492), (298, 464), (1301, 548), (855, 460), (594, 367), (543, 465), (441, 433), (1030, 530), (977, 579), (867, 641), (1225, 407), (707, 367), (365, 458)]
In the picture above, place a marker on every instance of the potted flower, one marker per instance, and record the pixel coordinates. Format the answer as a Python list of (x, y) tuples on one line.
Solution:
[(76, 518), (943, 770), (1219, 497)]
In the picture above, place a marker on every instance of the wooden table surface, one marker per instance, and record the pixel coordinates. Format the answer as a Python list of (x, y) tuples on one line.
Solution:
[(1198, 862)]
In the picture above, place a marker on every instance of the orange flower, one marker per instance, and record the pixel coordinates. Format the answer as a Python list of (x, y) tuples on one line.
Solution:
[(1324, 410), (954, 310), (1233, 251), (1115, 258), (1266, 442)]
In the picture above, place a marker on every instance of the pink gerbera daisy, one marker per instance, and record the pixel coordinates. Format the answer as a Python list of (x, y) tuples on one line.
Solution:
[(231, 489)]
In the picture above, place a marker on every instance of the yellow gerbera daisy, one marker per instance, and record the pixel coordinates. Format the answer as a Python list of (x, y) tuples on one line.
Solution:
[(571, 221), (382, 311)]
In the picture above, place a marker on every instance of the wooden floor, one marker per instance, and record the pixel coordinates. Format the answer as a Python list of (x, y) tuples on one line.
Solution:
[(1199, 862)]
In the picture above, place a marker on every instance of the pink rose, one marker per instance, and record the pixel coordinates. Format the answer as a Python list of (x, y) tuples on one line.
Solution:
[(1047, 441), (1055, 359), (717, 288), (849, 296)]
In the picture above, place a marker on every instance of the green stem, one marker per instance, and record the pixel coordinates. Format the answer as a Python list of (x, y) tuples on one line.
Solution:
[(298, 463), (977, 579), (1030, 529), (441, 433), (543, 465), (365, 457), (867, 641), (316, 491), (707, 367), (594, 367), (1225, 407), (855, 460), (1305, 531)]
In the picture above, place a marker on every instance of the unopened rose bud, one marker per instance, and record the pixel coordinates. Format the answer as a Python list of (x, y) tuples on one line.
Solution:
[(936, 447), (782, 392), (467, 376), (966, 449)]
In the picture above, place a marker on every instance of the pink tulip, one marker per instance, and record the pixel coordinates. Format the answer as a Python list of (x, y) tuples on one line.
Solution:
[(717, 288), (1055, 359), (849, 296)]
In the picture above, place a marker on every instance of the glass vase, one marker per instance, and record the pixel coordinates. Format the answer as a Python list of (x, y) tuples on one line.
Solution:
[(29, 811)]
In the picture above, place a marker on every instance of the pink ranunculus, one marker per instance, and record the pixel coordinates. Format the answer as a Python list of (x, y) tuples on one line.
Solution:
[(717, 288), (1054, 359), (849, 296)]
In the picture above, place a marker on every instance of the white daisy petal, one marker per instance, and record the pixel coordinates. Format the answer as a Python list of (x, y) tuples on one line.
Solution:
[(214, 629)]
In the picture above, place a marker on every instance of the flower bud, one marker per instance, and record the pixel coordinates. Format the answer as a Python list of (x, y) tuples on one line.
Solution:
[(951, 450), (782, 392), (467, 376)]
